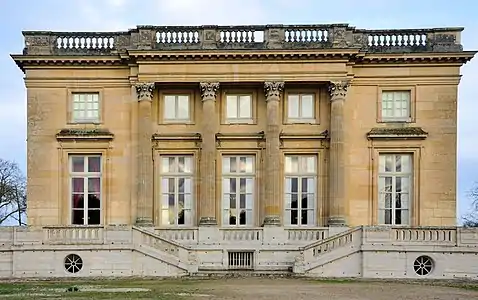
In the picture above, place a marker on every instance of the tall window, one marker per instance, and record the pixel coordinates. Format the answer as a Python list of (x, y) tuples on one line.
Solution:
[(86, 108), (238, 173), (176, 190), (396, 105), (394, 183), (300, 189), (176, 108), (239, 108), (301, 108), (85, 182)]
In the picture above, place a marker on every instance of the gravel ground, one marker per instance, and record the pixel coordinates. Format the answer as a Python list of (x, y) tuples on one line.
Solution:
[(281, 289)]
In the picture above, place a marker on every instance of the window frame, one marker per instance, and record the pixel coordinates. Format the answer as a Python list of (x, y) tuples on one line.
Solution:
[(238, 119), (245, 91), (84, 175), (411, 104), (161, 106), (176, 176), (253, 176), (315, 93), (413, 148), (318, 189), (71, 91), (394, 175)]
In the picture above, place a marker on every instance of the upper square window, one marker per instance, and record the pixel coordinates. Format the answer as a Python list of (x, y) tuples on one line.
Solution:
[(301, 108), (86, 108), (239, 108), (176, 108), (396, 106)]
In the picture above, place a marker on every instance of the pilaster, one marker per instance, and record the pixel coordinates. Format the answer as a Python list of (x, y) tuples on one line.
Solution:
[(273, 91), (338, 94), (144, 92), (207, 178)]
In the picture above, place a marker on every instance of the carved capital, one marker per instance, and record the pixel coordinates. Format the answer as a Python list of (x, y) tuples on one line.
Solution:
[(144, 91), (208, 90), (338, 89), (273, 89)]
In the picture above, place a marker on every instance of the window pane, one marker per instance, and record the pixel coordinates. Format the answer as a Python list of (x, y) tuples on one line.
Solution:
[(293, 106), (188, 162), (78, 217), (78, 201), (245, 107), (307, 109), (231, 108), (94, 217), (226, 165), (405, 216), (288, 164), (169, 107), (94, 164), (94, 201), (164, 164), (311, 164), (187, 201), (183, 107), (233, 165), (242, 164), (78, 185), (225, 186), (388, 216), (94, 185), (249, 201), (249, 164), (77, 163)]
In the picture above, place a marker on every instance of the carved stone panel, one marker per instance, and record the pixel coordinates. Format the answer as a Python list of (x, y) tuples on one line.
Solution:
[(144, 91), (208, 90), (338, 89), (273, 89)]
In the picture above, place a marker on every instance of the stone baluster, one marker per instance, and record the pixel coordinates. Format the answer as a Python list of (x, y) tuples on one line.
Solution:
[(338, 94), (208, 154), (273, 197), (144, 92)]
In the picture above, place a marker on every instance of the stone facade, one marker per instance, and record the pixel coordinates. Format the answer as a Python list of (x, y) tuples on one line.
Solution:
[(259, 135)]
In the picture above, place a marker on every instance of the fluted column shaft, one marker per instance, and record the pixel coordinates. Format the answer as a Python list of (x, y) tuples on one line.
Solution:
[(273, 197), (207, 171), (144, 92), (337, 203)]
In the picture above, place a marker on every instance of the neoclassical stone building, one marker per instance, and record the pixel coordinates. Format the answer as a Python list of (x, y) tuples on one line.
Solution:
[(244, 140)]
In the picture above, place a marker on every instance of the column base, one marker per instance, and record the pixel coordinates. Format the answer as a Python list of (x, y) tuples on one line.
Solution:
[(336, 221), (271, 220), (207, 221)]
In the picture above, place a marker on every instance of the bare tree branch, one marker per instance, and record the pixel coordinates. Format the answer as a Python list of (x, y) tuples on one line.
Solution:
[(12, 192), (471, 219)]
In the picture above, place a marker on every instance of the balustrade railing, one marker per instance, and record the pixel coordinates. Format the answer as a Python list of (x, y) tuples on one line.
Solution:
[(307, 235), (424, 235), (189, 235), (238, 235), (68, 235), (243, 37)]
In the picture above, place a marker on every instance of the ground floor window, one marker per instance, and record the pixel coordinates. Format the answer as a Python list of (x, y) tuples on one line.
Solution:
[(85, 189), (394, 185), (238, 176), (300, 189), (176, 190)]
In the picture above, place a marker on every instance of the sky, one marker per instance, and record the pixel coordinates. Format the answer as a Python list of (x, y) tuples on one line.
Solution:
[(111, 15)]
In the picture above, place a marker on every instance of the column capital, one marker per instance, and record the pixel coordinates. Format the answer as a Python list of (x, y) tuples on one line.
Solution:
[(338, 89), (144, 91), (208, 90), (273, 89)]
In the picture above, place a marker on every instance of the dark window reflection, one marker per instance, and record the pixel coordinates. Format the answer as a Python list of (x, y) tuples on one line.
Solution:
[(181, 217), (294, 217), (78, 217), (242, 217), (93, 217)]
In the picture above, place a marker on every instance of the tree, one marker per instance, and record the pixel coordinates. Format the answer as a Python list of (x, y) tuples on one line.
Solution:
[(13, 200), (471, 219)]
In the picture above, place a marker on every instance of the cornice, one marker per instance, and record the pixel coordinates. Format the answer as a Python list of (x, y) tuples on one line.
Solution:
[(125, 59), (84, 135)]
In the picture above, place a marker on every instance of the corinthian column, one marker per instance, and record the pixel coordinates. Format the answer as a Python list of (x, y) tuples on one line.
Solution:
[(272, 199), (207, 202), (144, 91), (338, 93)]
